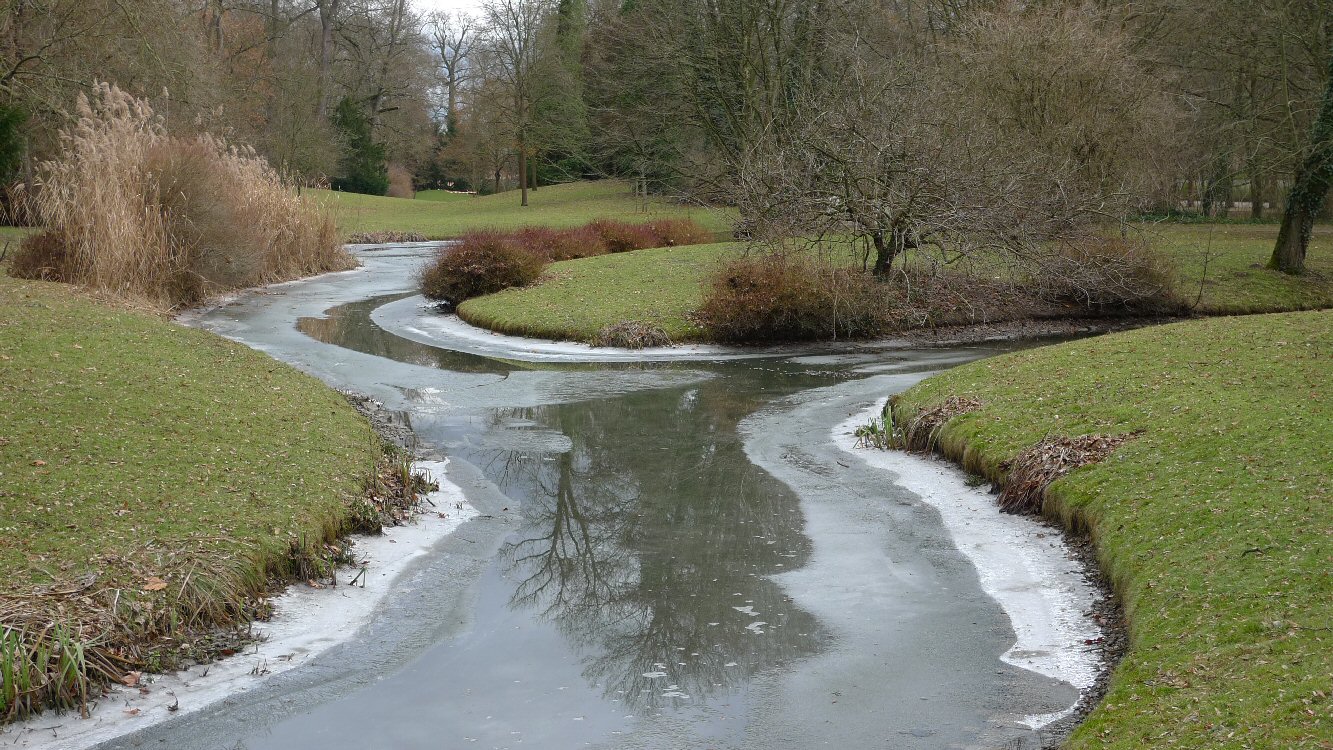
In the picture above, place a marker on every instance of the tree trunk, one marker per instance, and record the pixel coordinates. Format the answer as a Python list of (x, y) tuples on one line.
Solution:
[(328, 10), (523, 171), (1308, 190), (887, 249), (497, 180), (1256, 194)]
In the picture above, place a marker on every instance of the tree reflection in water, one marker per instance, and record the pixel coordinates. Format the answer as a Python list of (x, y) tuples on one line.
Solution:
[(651, 540)]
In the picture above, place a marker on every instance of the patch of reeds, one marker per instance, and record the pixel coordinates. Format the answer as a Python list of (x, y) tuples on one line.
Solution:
[(133, 211), (631, 334), (386, 237), (921, 432)]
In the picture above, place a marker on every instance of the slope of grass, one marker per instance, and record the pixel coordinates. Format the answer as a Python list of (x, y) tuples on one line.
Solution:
[(554, 206), (577, 298), (133, 449), (442, 196), (1215, 525)]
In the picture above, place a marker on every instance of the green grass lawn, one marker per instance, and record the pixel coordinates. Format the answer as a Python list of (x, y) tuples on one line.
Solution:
[(442, 196), (1215, 525), (1234, 278), (573, 204), (131, 447), (577, 298), (1219, 266)]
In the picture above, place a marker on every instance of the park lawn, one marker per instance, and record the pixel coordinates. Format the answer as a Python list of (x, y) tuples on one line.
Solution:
[(1229, 259), (442, 196), (133, 448), (574, 299), (568, 205), (1215, 525)]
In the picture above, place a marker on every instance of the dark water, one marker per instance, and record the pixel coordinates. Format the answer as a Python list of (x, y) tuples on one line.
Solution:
[(645, 572)]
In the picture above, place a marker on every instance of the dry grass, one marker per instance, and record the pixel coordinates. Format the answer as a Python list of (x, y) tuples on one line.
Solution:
[(135, 212)]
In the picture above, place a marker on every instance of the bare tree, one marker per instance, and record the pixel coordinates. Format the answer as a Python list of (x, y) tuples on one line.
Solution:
[(1310, 188), (454, 37), (513, 27)]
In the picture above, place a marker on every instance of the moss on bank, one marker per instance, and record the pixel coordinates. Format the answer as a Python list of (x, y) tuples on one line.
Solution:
[(153, 480), (1214, 525)]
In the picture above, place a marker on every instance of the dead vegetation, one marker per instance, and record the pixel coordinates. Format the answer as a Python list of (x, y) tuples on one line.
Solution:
[(922, 432), (135, 212), (1023, 479), (632, 334), (385, 237), (1028, 474)]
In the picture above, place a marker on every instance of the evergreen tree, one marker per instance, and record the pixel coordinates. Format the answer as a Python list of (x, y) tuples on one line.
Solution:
[(363, 168)]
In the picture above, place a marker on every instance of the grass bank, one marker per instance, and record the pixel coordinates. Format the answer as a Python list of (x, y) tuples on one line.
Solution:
[(440, 215), (154, 480), (577, 298), (1214, 524), (1219, 267)]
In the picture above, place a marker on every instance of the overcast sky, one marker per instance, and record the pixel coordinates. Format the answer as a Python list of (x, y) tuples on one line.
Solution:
[(426, 6)]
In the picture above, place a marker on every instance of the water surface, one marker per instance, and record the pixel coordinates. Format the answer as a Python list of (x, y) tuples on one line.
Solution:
[(670, 555)]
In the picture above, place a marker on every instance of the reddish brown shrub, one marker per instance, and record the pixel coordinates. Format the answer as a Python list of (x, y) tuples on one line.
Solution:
[(621, 237), (675, 232), (771, 298), (483, 262)]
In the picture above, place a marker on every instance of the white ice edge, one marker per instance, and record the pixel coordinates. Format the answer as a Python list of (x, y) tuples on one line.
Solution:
[(305, 623), (437, 329), (1024, 566)]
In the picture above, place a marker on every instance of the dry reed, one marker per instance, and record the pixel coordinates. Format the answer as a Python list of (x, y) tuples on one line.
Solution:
[(133, 211)]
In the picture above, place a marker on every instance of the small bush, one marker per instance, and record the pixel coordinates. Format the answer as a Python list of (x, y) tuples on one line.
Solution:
[(1102, 274), (400, 182), (483, 262), (622, 237), (677, 232), (773, 298), (631, 334), (139, 213)]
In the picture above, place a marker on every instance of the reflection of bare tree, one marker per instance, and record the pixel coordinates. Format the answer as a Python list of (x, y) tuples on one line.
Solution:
[(649, 542)]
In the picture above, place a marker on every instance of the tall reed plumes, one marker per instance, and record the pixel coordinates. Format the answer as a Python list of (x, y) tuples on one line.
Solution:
[(136, 212)]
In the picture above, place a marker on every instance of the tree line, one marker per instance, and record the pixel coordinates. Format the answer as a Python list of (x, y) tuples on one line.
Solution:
[(907, 121)]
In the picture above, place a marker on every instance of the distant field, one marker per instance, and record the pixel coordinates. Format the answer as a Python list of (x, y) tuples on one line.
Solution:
[(440, 215)]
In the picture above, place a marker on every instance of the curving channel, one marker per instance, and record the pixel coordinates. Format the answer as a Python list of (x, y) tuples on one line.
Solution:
[(668, 554)]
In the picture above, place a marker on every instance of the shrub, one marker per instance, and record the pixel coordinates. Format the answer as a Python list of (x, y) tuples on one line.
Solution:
[(676, 232), (631, 334), (483, 262), (135, 212), (621, 237), (1101, 274), (400, 182), (774, 298)]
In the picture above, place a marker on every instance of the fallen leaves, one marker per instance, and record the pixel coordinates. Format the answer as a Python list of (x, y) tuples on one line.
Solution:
[(153, 583)]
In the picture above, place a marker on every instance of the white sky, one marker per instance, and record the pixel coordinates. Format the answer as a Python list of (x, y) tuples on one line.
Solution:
[(426, 6)]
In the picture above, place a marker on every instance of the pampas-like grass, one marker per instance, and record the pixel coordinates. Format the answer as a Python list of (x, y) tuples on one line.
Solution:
[(138, 213)]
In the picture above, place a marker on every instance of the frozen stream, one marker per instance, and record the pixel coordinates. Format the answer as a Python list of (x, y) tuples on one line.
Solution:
[(677, 553)]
